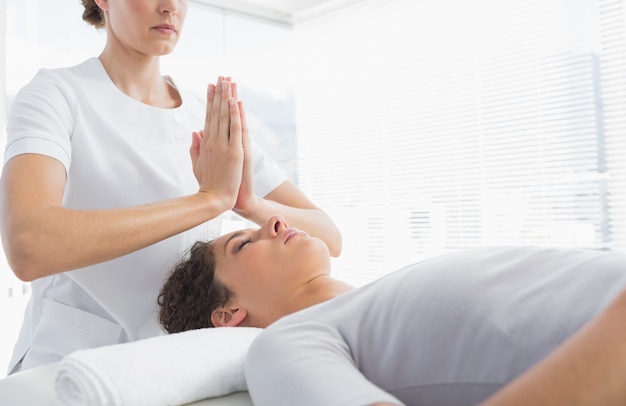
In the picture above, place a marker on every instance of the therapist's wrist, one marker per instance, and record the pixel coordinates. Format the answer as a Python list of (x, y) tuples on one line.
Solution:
[(252, 209), (212, 203)]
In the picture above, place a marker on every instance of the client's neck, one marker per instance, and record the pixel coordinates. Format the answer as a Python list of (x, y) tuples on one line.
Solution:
[(314, 291), (319, 289)]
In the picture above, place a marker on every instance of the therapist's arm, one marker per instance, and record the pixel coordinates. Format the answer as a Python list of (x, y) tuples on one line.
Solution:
[(588, 369), (286, 199), (299, 212), (41, 237)]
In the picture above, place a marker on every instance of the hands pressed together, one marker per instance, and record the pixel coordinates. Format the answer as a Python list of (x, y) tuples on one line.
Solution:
[(221, 154)]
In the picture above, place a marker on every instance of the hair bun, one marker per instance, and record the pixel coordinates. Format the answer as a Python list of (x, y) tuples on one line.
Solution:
[(93, 14)]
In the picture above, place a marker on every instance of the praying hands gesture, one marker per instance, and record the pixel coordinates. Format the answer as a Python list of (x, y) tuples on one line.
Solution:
[(221, 154), (223, 165), (217, 152)]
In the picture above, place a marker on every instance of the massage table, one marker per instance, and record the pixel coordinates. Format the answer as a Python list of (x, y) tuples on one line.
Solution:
[(35, 387)]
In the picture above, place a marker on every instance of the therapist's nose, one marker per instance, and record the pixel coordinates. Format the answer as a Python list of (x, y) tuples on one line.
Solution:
[(274, 226), (169, 7)]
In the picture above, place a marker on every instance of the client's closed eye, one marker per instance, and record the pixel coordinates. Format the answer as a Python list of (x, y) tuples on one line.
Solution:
[(243, 243)]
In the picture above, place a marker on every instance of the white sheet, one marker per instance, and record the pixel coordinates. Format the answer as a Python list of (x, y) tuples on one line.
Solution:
[(166, 370)]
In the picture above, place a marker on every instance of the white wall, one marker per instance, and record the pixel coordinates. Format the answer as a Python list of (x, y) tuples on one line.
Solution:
[(2, 73)]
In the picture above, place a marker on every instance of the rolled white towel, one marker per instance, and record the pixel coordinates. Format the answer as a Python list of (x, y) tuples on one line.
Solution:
[(171, 369)]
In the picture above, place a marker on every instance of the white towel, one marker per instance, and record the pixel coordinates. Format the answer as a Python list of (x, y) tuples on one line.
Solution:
[(165, 370)]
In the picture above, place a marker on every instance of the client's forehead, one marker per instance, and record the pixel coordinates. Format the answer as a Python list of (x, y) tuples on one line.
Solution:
[(224, 237)]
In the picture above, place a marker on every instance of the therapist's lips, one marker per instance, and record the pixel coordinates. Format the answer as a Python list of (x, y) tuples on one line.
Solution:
[(292, 232), (165, 28)]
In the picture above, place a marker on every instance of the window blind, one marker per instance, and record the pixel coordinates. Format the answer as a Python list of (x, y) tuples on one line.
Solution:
[(612, 15), (432, 126)]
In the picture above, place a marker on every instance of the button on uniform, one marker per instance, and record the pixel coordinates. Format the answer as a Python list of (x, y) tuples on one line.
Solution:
[(178, 118)]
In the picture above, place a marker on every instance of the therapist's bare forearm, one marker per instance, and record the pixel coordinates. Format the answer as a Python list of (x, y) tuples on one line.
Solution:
[(589, 369), (54, 239), (313, 220)]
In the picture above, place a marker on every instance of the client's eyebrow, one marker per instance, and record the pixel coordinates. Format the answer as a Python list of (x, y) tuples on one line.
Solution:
[(232, 237)]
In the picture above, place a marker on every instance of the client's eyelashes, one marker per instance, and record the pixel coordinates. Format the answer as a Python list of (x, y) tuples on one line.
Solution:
[(244, 242)]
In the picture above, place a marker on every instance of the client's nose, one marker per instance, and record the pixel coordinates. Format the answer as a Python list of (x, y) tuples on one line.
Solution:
[(275, 225)]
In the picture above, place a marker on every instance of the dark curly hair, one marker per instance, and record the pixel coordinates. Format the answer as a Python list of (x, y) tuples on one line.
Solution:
[(191, 292), (93, 14)]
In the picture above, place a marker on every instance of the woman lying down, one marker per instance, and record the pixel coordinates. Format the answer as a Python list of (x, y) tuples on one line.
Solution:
[(504, 326)]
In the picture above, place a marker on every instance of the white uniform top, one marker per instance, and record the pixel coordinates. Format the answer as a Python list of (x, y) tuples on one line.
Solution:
[(117, 152), (447, 331)]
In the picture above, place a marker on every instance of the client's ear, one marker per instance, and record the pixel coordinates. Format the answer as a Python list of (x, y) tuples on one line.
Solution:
[(228, 317), (103, 4)]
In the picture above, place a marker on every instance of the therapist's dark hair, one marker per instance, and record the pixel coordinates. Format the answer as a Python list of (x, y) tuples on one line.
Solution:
[(93, 14), (191, 292)]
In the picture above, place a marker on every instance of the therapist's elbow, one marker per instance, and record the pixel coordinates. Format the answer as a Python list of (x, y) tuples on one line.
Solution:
[(335, 246), (334, 242), (25, 276), (25, 263), (24, 270)]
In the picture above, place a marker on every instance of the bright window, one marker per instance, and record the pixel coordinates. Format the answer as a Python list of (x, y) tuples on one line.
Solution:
[(432, 126)]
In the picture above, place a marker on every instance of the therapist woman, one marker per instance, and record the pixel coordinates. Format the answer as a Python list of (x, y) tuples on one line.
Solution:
[(107, 180)]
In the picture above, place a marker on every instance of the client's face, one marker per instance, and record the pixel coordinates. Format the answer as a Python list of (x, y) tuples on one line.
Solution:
[(260, 266)]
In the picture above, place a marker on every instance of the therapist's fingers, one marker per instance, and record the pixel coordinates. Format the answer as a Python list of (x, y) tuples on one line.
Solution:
[(226, 108), (194, 149), (247, 149), (244, 121), (235, 127), (210, 97), (234, 90), (219, 162), (211, 126), (246, 198)]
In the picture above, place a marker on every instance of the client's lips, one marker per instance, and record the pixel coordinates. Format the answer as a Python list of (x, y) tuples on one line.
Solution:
[(291, 232)]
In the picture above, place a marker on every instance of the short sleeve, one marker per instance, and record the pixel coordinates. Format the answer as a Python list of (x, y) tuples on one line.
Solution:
[(267, 174), (307, 363), (41, 120)]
